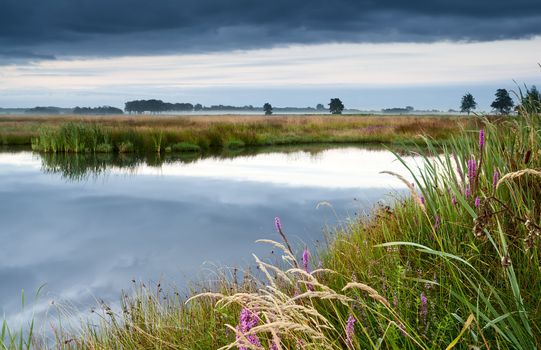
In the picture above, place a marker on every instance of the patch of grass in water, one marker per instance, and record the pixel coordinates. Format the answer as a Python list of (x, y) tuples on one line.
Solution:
[(234, 144), (186, 147)]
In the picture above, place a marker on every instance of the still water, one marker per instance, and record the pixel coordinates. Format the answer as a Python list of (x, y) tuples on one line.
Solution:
[(85, 227)]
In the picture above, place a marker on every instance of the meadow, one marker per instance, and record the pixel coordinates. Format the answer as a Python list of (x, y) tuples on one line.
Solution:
[(167, 134), (453, 265)]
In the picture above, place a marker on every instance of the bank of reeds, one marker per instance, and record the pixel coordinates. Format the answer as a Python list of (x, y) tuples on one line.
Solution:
[(454, 265), (193, 134)]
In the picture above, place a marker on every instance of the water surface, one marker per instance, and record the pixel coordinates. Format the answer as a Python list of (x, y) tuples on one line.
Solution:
[(87, 226)]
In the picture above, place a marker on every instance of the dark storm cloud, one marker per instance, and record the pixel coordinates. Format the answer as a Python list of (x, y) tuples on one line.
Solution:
[(40, 29)]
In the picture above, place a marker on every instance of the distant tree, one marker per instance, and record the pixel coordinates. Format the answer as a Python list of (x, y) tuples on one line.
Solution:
[(468, 103), (97, 110), (503, 102), (198, 107), (267, 107), (336, 106), (320, 107), (531, 101), (534, 94)]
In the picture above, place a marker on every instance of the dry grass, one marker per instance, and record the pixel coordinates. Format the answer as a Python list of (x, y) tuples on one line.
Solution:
[(217, 131)]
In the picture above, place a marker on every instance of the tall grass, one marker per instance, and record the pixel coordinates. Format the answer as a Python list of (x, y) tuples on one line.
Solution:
[(156, 135), (72, 138)]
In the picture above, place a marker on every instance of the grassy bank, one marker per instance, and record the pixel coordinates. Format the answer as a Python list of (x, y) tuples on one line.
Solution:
[(160, 134), (456, 264)]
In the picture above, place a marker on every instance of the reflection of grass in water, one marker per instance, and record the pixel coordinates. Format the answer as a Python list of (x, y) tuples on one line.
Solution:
[(81, 166)]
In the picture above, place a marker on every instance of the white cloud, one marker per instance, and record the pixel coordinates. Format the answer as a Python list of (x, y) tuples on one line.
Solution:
[(312, 65)]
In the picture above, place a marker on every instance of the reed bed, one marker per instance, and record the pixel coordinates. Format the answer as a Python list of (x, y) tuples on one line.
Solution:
[(453, 265), (159, 134)]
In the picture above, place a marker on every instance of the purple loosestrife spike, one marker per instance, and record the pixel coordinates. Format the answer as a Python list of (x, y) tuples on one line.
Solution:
[(422, 199), (495, 179), (481, 139), (468, 191), (477, 202), (437, 222), (454, 201), (423, 312), (305, 262), (305, 259), (278, 224), (350, 330), (248, 320), (472, 170)]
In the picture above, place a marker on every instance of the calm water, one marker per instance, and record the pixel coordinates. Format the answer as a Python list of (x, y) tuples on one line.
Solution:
[(86, 227)]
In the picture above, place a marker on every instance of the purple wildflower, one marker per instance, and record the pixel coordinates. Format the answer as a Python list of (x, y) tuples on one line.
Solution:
[(437, 222), (350, 330), (422, 199), (467, 193), (305, 259), (472, 170), (305, 262), (248, 320), (481, 139), (278, 224), (495, 179), (477, 202), (454, 201), (423, 312)]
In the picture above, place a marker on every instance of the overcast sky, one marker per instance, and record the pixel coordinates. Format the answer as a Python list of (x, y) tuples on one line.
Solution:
[(372, 54)]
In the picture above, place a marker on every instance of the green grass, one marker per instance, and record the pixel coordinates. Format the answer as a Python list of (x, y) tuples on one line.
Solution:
[(185, 147), (163, 134), (435, 271)]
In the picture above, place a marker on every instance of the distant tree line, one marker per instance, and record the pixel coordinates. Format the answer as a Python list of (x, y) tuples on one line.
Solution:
[(44, 110), (156, 106), (97, 110), (230, 108), (398, 110), (159, 106)]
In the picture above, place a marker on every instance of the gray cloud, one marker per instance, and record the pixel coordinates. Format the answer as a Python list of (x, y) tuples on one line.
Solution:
[(33, 29)]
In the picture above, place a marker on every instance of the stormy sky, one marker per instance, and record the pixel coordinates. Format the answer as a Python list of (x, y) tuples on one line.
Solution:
[(66, 52)]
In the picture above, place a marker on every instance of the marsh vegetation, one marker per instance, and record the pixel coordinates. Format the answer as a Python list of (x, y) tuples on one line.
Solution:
[(156, 134)]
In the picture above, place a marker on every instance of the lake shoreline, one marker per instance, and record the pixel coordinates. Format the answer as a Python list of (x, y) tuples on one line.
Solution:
[(159, 134)]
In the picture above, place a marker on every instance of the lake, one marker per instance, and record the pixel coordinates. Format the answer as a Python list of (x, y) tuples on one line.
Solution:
[(86, 226)]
